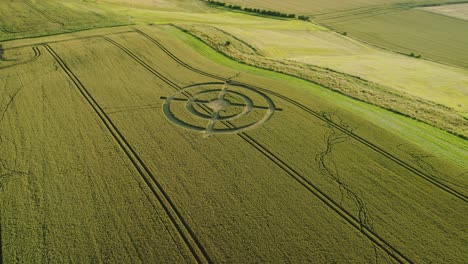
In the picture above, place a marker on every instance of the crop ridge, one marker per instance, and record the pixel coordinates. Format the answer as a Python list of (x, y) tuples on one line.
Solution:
[(328, 201), (170, 209), (356, 137)]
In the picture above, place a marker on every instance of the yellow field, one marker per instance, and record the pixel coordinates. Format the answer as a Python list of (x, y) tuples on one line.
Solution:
[(455, 10)]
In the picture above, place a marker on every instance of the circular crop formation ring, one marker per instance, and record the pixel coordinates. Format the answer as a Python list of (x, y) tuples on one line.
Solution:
[(216, 105)]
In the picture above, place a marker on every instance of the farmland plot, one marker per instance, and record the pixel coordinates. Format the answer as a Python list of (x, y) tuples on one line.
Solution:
[(442, 41), (322, 193)]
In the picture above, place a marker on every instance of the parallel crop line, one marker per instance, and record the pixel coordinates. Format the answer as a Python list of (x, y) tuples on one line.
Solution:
[(174, 215), (372, 236)]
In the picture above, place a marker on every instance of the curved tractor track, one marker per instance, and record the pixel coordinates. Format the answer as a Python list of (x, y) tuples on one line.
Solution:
[(429, 178), (327, 200), (195, 247), (37, 54)]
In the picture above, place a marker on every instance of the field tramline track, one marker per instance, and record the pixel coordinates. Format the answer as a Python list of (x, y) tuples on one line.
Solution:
[(333, 205), (37, 54), (174, 215), (316, 114)]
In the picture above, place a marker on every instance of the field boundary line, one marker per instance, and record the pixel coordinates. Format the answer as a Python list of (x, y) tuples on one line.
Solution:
[(170, 209), (348, 217), (316, 114)]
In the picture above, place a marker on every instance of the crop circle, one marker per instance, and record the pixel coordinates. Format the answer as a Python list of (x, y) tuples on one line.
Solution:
[(210, 102)]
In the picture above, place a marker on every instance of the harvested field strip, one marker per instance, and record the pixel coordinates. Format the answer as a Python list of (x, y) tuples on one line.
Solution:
[(184, 230), (37, 54), (328, 201), (431, 179)]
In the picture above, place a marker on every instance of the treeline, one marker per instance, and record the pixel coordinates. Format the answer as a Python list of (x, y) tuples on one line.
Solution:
[(256, 10)]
